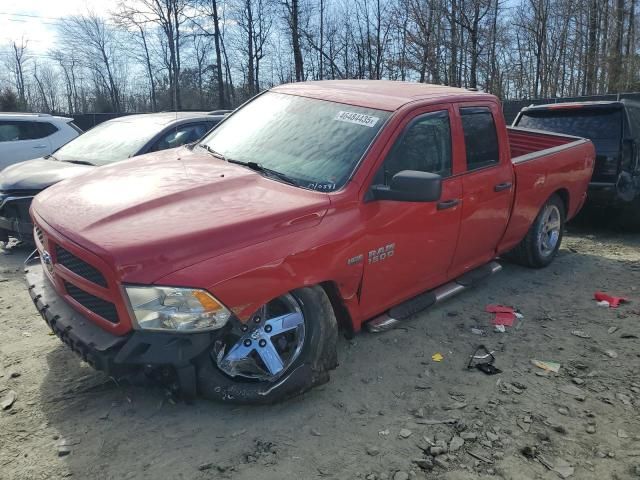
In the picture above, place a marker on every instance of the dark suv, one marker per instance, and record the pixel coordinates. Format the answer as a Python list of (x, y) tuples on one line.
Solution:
[(614, 129)]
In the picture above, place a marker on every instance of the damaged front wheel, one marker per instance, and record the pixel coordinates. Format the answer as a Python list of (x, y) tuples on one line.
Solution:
[(286, 347)]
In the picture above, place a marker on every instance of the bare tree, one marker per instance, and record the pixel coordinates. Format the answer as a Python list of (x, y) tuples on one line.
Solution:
[(169, 15), (292, 9), (94, 41), (17, 63), (615, 57), (137, 27)]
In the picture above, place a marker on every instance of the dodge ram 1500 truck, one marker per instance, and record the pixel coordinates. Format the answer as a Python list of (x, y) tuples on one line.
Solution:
[(231, 264)]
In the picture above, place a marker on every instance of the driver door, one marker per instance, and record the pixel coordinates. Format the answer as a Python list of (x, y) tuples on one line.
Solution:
[(410, 245)]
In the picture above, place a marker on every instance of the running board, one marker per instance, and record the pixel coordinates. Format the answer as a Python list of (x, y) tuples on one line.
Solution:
[(405, 310)]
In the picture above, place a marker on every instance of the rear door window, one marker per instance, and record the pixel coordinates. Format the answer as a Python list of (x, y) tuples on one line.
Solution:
[(480, 137), (14, 130), (42, 129), (10, 131)]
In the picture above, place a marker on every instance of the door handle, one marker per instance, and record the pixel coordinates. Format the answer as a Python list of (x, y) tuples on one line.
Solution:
[(448, 204), (40, 146), (502, 186)]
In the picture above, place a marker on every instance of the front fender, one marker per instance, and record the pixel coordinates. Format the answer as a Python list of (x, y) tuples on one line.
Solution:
[(247, 278)]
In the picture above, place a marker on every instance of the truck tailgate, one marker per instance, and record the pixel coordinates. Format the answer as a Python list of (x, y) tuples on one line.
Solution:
[(544, 164)]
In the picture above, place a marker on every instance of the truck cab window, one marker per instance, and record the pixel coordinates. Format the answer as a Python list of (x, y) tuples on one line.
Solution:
[(480, 138), (425, 145)]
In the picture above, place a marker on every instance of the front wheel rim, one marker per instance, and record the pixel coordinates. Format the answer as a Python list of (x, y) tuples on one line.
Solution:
[(266, 346), (549, 232)]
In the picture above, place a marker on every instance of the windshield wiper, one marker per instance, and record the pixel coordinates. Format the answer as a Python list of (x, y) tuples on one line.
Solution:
[(212, 151), (79, 162), (253, 166), (267, 171)]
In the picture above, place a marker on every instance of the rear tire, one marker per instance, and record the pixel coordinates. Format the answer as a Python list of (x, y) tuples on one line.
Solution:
[(540, 246), (310, 367)]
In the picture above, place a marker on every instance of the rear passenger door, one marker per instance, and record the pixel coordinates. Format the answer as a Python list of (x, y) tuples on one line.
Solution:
[(487, 186)]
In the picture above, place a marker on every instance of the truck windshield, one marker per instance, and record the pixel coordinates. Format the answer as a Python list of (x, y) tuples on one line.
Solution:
[(602, 126), (315, 143)]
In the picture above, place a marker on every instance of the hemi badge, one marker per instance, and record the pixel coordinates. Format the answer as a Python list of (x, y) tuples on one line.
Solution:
[(355, 260)]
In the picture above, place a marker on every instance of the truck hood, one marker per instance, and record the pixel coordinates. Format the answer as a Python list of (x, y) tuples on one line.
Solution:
[(165, 211), (38, 174)]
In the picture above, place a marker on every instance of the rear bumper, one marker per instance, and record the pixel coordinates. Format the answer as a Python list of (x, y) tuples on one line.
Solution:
[(116, 355), (602, 193), (620, 194)]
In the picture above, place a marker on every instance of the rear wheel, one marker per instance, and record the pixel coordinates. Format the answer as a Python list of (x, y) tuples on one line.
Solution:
[(285, 348), (542, 242)]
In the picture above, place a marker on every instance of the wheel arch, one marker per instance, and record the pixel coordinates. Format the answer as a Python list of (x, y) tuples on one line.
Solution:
[(340, 310), (565, 196)]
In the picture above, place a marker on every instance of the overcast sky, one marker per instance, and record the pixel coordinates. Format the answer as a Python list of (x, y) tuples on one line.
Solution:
[(36, 20)]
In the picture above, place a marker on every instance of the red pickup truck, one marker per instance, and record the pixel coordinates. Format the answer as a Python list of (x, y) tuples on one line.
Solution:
[(230, 265)]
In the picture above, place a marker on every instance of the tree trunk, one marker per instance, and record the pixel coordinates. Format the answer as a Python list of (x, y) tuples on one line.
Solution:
[(152, 83), (321, 60), (615, 58), (295, 40), (592, 49), (453, 68), (630, 48), (177, 55), (250, 48)]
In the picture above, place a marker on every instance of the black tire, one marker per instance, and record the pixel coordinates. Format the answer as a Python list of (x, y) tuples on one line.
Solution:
[(529, 252), (311, 368)]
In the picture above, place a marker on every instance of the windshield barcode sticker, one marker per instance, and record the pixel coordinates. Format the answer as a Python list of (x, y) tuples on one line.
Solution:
[(357, 118)]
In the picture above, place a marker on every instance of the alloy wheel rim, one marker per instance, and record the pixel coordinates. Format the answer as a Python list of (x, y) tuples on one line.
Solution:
[(549, 233), (267, 345)]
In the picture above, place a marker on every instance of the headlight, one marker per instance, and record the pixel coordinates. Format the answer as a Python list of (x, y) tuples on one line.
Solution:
[(169, 308)]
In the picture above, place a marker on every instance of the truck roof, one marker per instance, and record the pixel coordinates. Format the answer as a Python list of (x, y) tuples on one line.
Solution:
[(379, 94)]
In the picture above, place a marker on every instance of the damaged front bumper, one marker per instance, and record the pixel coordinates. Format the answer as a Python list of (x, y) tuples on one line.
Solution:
[(117, 356), (15, 228)]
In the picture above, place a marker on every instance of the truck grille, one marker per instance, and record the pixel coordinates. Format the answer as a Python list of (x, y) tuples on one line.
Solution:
[(104, 309), (40, 234), (79, 267)]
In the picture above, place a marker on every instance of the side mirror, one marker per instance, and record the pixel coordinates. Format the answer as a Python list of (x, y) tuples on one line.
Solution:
[(410, 186)]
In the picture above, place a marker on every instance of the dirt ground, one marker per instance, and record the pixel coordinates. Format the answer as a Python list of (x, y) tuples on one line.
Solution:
[(376, 418)]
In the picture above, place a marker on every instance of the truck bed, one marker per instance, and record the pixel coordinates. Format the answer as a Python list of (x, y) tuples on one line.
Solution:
[(544, 164), (524, 142)]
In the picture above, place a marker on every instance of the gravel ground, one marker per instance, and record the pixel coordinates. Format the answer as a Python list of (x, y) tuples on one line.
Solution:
[(377, 417)]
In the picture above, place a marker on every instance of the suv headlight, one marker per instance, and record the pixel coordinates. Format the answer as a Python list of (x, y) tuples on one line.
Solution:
[(170, 308)]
